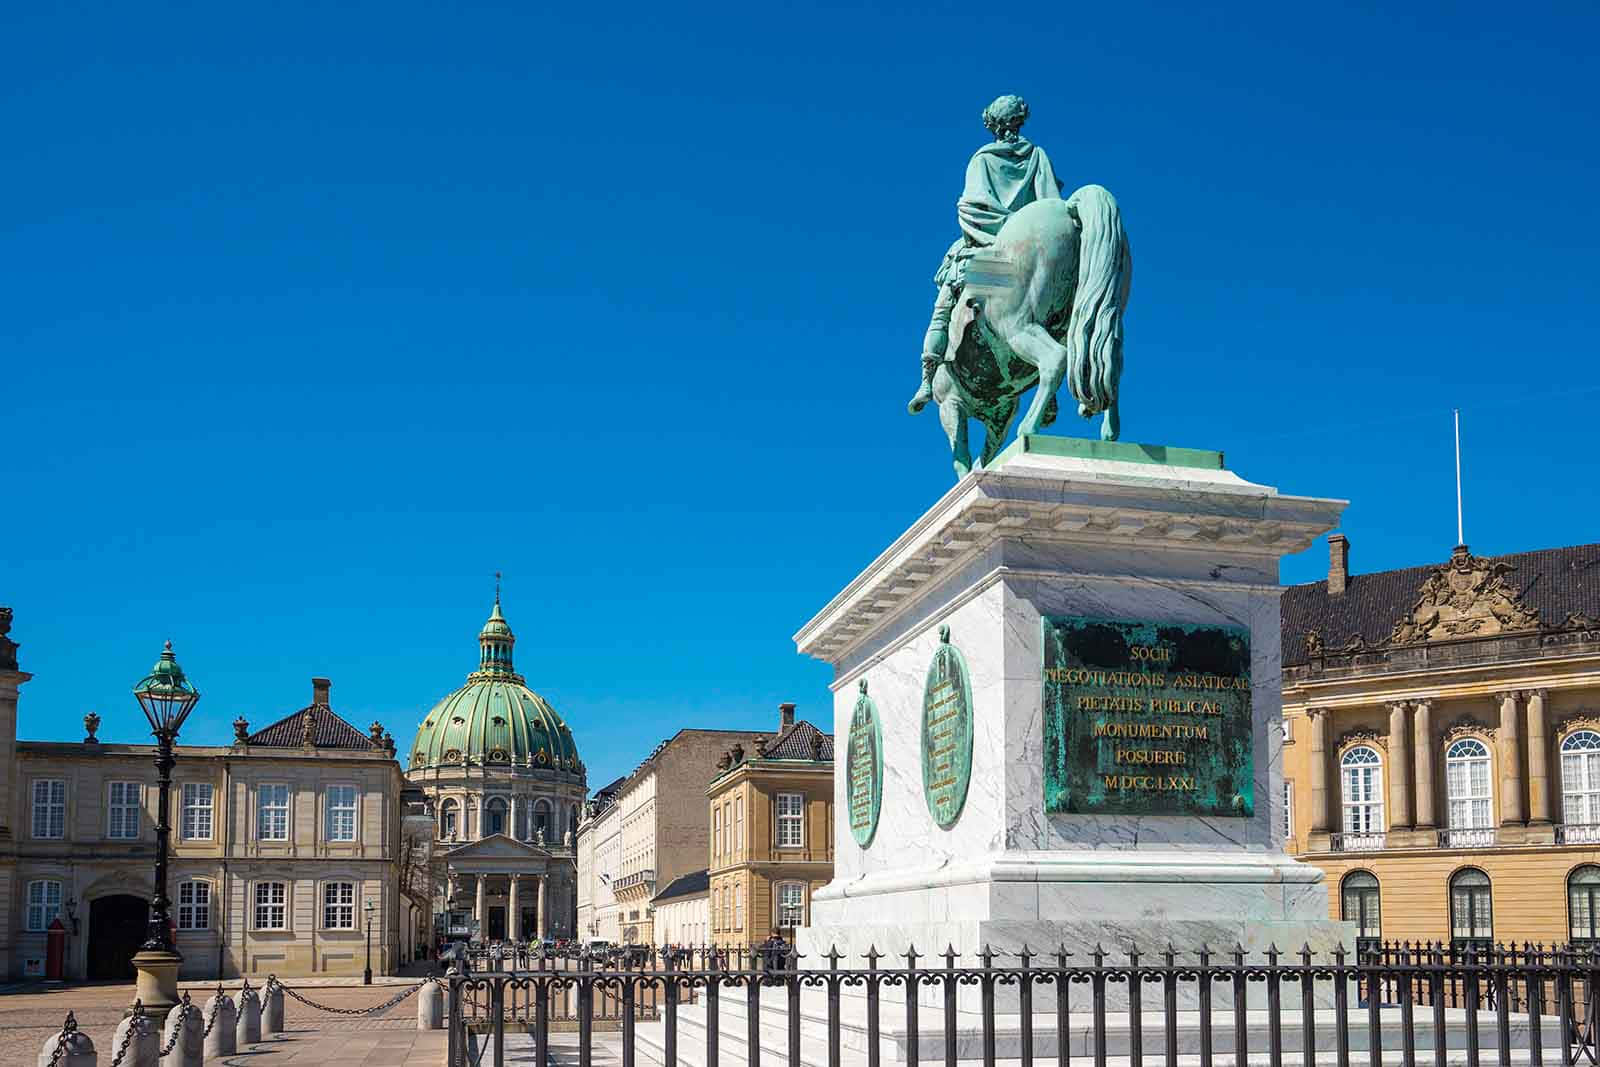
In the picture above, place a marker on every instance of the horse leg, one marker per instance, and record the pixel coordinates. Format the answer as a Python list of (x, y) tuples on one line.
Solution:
[(1111, 425), (996, 424), (1036, 346), (953, 417)]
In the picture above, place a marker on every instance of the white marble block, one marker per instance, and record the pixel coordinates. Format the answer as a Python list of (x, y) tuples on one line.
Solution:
[(1040, 535)]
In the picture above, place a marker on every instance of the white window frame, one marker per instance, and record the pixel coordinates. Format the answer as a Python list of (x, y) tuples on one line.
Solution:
[(194, 913), (335, 813), (43, 910), (120, 811), (191, 811), (1361, 791), (51, 811), (1288, 812), (1469, 803), (716, 834), (790, 823), (339, 905), (262, 808), (267, 905), (782, 909), (1580, 779), (738, 824)]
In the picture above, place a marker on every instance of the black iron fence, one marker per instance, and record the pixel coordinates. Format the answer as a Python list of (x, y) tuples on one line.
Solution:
[(1423, 1003)]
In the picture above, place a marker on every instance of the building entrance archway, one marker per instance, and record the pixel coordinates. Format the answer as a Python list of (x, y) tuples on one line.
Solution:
[(117, 927)]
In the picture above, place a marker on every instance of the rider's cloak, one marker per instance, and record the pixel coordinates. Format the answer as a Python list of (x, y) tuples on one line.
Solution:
[(1003, 177)]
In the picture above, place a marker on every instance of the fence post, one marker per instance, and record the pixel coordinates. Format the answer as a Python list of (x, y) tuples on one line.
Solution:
[(223, 1038), (247, 1024), (189, 1048), (453, 1037), (76, 1048), (272, 1009), (144, 1046), (430, 1006)]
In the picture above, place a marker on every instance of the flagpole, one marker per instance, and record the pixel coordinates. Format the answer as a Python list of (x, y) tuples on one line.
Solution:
[(1461, 537)]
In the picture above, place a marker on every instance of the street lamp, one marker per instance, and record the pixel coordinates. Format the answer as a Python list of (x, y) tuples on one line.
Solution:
[(166, 697), (366, 975)]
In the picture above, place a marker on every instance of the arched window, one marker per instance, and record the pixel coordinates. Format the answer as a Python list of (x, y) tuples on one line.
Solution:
[(572, 822), (449, 822), (1580, 786), (1583, 905), (1466, 777), (1359, 904), (1471, 911), (541, 819), (494, 816), (1361, 775)]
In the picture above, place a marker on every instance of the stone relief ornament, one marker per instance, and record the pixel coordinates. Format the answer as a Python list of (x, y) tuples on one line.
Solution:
[(1314, 646), (1581, 721), (1467, 597), (1466, 728), (1363, 737)]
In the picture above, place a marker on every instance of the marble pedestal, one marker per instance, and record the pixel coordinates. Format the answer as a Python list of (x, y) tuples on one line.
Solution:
[(1059, 527)]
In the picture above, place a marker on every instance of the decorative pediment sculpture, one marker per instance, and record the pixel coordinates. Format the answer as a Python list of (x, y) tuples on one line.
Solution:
[(1467, 597), (1466, 728), (1314, 646), (1363, 737)]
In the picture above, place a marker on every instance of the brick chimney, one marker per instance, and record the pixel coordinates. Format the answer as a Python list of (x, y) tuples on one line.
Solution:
[(1338, 564), (319, 690), (785, 716)]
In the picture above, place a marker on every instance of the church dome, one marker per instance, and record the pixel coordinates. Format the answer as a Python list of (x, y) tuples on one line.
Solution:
[(495, 719)]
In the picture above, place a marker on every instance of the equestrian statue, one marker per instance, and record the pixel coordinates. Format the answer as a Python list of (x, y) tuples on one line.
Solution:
[(1031, 294)]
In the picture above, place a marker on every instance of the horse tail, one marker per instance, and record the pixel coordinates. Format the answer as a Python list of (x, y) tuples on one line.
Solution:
[(1094, 333)]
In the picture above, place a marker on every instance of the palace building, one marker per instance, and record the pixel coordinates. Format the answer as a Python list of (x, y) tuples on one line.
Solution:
[(771, 833), (500, 773), (282, 849), (1441, 729)]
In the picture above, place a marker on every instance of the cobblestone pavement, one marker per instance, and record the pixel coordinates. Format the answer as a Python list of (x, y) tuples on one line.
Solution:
[(29, 1015)]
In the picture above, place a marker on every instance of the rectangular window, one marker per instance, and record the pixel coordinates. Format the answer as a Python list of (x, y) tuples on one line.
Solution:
[(194, 905), (272, 813), (791, 904), (339, 906), (1288, 814), (341, 813), (271, 906), (716, 834), (195, 825), (791, 820), (49, 808), (738, 823), (738, 908), (122, 810), (44, 904)]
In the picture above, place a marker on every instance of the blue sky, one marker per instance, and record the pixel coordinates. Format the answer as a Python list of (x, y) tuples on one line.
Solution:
[(316, 316)]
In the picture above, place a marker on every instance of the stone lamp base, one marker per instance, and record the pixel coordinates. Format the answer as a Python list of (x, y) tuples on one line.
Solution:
[(157, 978)]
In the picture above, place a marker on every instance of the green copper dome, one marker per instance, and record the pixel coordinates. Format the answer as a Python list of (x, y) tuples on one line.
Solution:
[(495, 719)]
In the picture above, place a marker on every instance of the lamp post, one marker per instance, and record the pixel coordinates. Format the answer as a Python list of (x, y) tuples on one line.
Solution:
[(166, 697), (366, 975)]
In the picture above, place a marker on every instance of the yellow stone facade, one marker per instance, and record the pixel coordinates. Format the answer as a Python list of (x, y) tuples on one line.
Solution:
[(1441, 746), (771, 835)]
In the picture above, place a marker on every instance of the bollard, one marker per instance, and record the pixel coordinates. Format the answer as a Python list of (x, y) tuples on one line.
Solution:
[(77, 1050), (272, 1010), (223, 1038), (247, 1028), (189, 1049), (144, 1046), (430, 1007)]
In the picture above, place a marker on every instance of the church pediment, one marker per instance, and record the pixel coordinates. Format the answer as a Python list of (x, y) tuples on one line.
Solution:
[(495, 847), (1467, 597)]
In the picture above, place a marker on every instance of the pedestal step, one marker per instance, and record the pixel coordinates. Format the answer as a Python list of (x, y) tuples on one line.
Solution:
[(733, 1046)]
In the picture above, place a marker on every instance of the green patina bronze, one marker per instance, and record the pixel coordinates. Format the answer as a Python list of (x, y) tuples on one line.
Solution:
[(864, 768), (1122, 451), (1147, 718), (1031, 295), (946, 733)]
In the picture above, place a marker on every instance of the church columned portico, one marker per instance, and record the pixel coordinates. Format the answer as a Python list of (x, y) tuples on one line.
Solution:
[(506, 890)]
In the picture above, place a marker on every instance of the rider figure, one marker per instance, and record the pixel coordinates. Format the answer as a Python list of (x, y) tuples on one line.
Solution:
[(1002, 178)]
